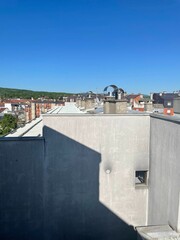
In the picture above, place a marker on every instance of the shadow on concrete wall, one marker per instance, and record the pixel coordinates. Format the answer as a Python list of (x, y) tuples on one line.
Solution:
[(71, 194), (21, 188), (55, 197)]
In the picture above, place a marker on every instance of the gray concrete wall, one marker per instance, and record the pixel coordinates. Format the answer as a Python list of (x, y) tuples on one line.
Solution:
[(164, 184), (90, 168), (115, 106), (121, 106), (148, 107), (109, 107), (76, 183), (21, 188), (176, 105)]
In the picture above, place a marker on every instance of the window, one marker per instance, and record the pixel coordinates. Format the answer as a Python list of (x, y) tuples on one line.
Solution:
[(141, 178)]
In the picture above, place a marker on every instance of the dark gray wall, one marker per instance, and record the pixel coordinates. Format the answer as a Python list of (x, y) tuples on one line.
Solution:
[(21, 188)]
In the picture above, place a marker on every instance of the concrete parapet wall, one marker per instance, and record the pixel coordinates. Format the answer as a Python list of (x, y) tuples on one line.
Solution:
[(164, 191), (92, 161), (21, 188), (176, 105), (78, 182)]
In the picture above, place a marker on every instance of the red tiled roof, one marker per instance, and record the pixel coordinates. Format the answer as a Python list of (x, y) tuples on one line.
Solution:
[(2, 109), (17, 100)]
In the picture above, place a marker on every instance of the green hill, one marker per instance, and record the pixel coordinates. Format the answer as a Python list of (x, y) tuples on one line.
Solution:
[(28, 94)]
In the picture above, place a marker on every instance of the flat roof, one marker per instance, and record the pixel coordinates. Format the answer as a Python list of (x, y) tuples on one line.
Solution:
[(158, 232), (175, 118), (68, 108), (33, 128)]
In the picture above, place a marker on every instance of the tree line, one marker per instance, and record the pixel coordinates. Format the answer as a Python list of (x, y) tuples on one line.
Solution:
[(28, 94)]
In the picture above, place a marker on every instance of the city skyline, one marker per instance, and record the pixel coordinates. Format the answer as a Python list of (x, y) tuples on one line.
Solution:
[(76, 46)]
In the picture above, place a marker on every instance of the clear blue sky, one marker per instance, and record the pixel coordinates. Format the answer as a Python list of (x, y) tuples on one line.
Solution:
[(82, 45)]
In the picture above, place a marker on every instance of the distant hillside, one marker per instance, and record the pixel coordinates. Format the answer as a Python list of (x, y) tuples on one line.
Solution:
[(28, 94)]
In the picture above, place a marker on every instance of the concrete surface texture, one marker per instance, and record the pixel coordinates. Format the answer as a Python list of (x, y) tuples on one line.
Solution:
[(161, 232), (21, 188), (76, 183), (115, 106), (164, 188), (91, 163), (176, 105)]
